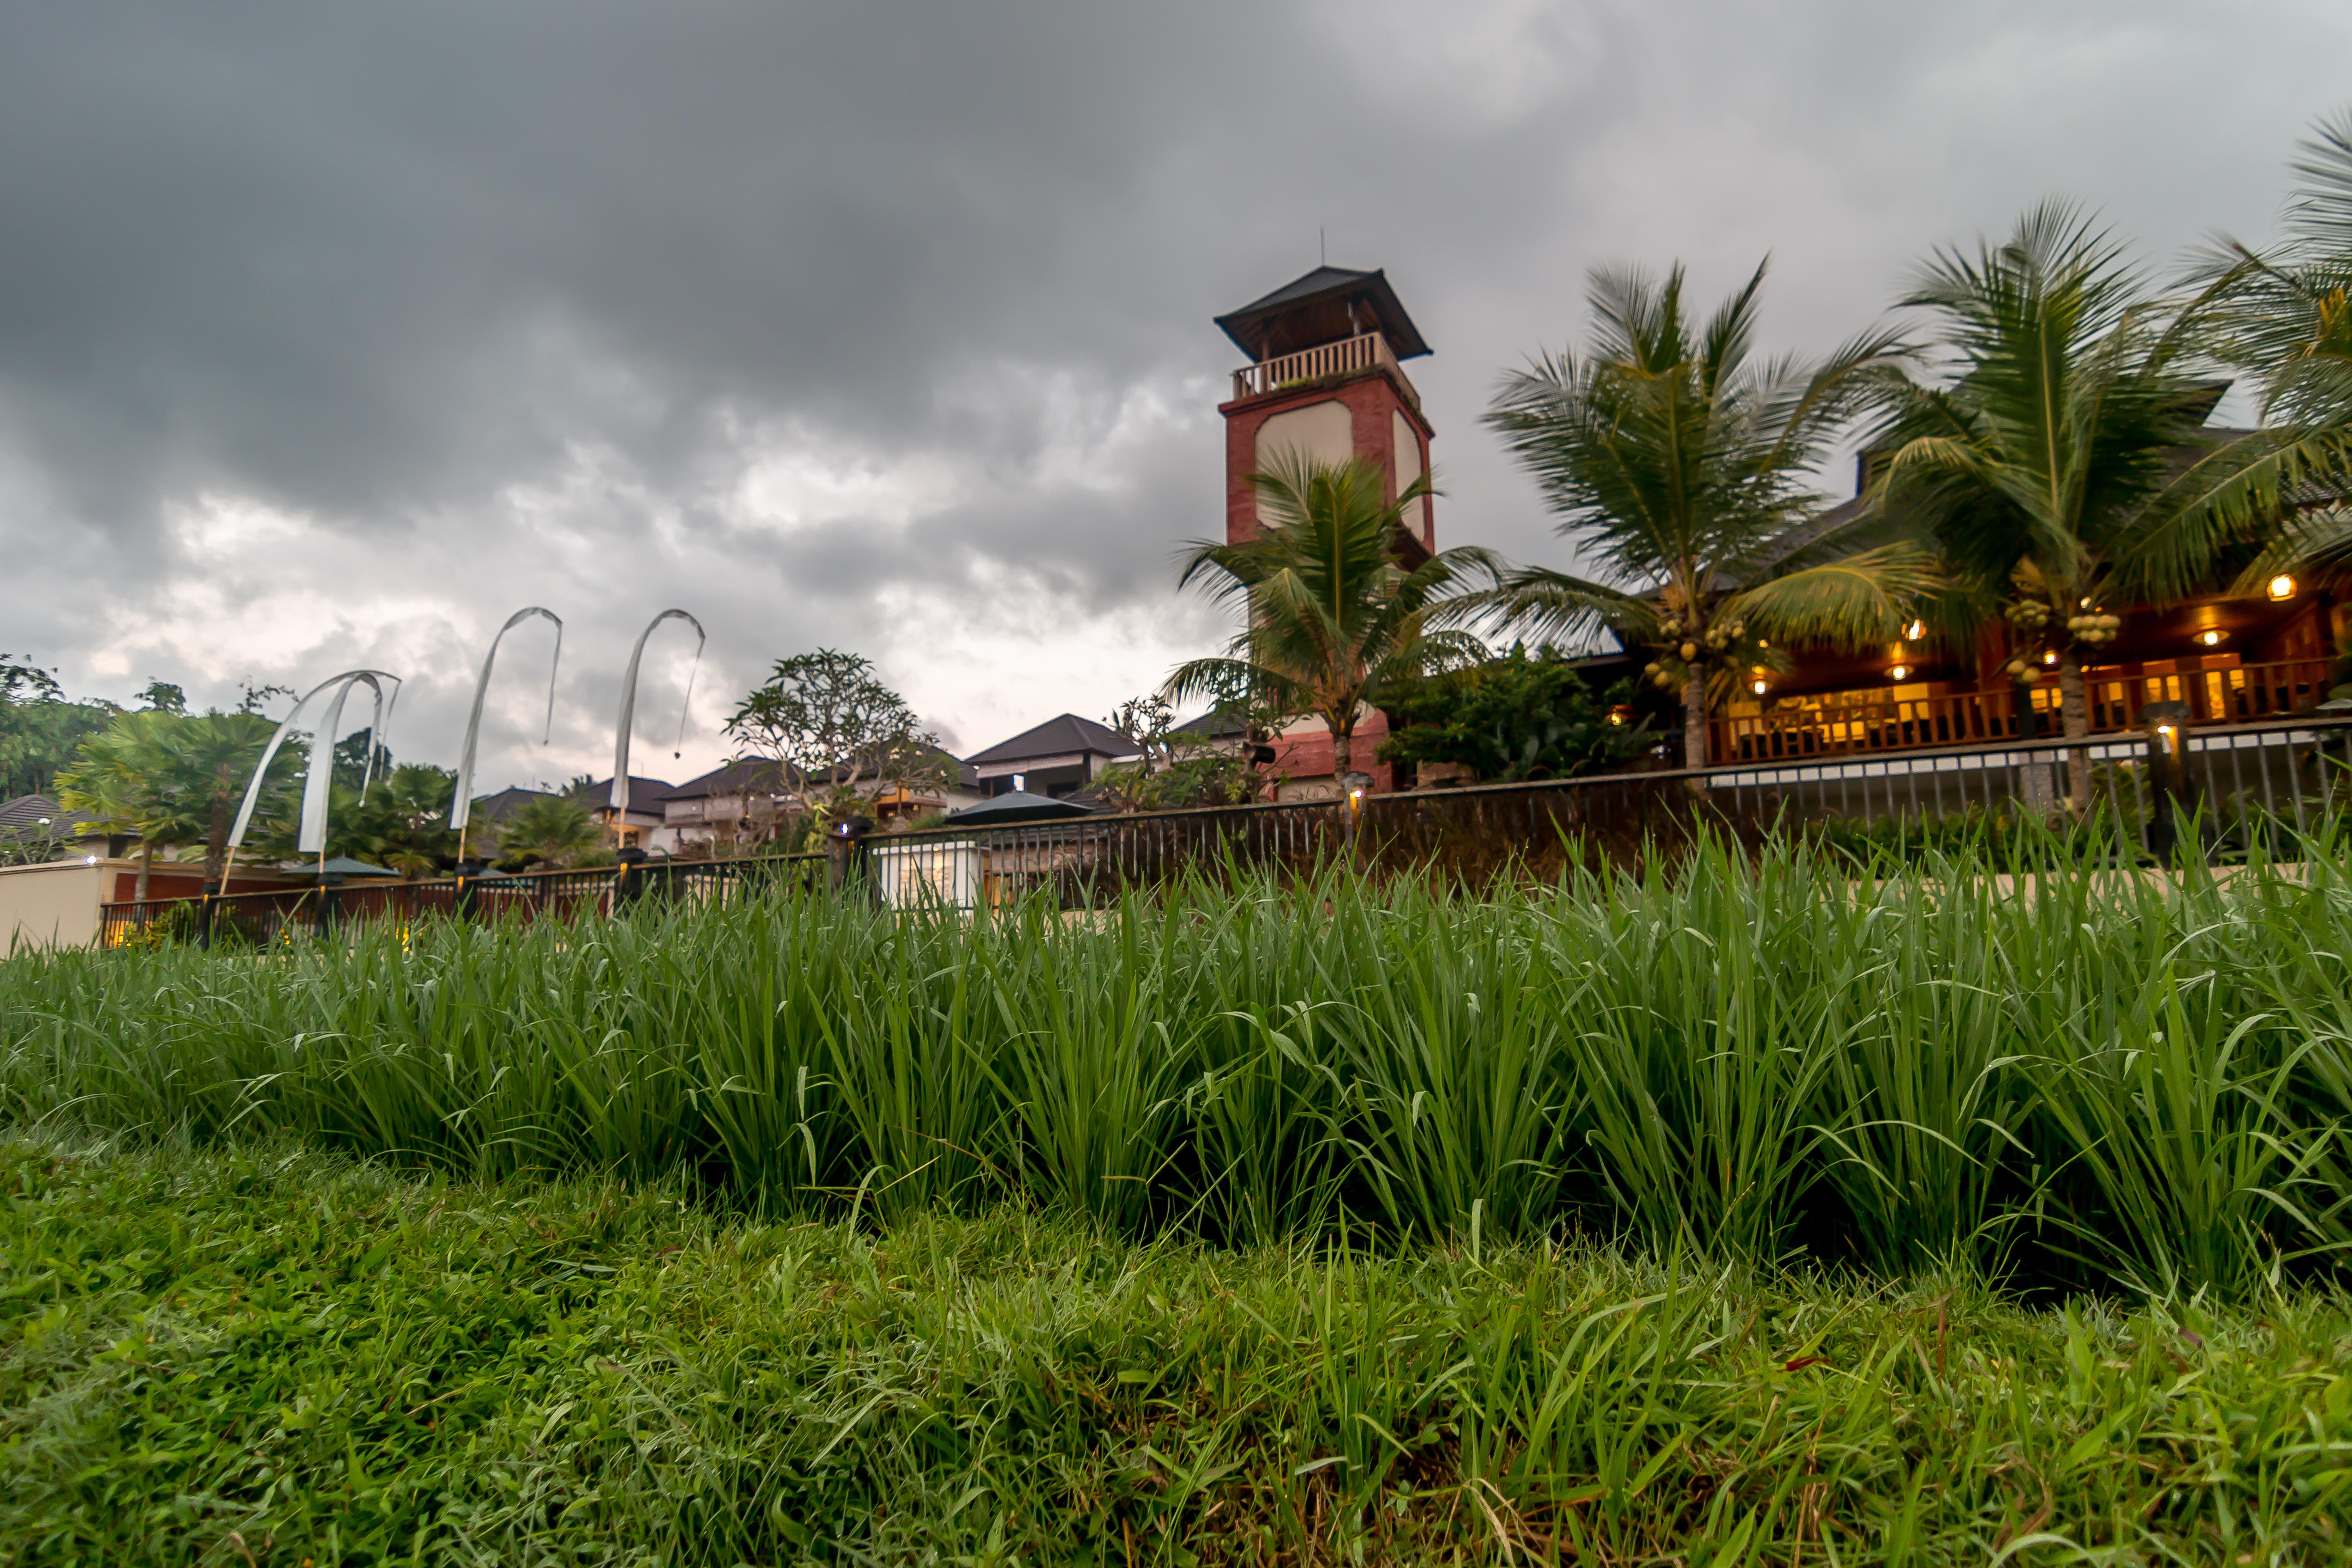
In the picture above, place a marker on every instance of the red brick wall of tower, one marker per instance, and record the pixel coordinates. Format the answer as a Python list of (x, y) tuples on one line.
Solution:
[(1372, 400)]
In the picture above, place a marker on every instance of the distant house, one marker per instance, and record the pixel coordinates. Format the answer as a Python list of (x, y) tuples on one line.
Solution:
[(645, 826), (1058, 758), (32, 824), (751, 798)]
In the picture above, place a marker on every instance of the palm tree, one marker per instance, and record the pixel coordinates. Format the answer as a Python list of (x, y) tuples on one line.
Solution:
[(1334, 617), (119, 777), (2065, 458), (1680, 465), (2284, 319), (549, 830)]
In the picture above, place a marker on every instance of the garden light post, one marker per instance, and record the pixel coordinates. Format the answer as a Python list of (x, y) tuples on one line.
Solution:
[(2166, 724)]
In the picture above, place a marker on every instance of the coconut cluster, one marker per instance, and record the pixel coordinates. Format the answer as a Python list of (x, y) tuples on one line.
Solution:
[(2095, 628), (2027, 614), (1685, 649)]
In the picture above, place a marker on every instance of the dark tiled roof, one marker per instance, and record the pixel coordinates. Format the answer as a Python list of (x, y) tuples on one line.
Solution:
[(1213, 725), (21, 817), (1059, 737), (1322, 297), (755, 776), (506, 803), (643, 792)]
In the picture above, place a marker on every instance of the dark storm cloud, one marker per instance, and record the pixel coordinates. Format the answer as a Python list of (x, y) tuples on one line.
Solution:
[(332, 333)]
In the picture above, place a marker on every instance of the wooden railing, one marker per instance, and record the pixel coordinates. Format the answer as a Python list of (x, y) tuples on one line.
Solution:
[(1348, 356), (2243, 695)]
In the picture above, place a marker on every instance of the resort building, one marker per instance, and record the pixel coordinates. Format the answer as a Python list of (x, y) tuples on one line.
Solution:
[(1056, 759)]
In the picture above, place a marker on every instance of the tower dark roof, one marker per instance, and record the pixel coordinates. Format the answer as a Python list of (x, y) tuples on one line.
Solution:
[(1322, 306)]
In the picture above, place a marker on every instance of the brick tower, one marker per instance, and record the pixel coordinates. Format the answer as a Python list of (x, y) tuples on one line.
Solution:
[(1324, 381)]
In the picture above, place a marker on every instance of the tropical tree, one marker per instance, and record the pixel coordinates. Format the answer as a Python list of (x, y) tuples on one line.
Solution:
[(1519, 717), (40, 727), (118, 777), (1680, 464), (175, 778), (1334, 617), (839, 737), (549, 831), (403, 821), (2061, 456), (2283, 319)]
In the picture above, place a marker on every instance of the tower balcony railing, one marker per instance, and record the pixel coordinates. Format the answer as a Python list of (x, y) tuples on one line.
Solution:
[(1348, 356)]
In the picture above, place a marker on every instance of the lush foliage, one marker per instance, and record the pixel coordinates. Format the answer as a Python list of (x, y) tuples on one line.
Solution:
[(175, 778), (550, 830), (2283, 318), (2093, 1079), (271, 1356), (838, 735), (41, 728), (1682, 464), (1518, 717), (1333, 618)]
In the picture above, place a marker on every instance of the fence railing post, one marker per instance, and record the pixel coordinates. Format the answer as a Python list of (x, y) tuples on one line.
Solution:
[(845, 849)]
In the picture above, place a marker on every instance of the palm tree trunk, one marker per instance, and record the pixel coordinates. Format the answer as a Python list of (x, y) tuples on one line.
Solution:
[(1695, 751), (146, 864), (217, 840), (2074, 714), (1343, 748)]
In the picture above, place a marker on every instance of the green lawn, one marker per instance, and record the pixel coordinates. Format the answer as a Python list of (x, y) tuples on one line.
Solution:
[(263, 1353)]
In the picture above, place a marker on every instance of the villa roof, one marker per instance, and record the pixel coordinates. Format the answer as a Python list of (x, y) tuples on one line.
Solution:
[(506, 801), (1322, 306), (21, 818), (1064, 735)]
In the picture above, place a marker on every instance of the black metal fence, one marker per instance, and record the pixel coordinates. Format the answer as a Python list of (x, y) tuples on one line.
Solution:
[(2169, 790), (283, 914)]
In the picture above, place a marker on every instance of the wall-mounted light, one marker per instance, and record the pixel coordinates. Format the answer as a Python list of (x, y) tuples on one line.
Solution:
[(1759, 687), (2212, 638), (1763, 642), (2165, 730), (1915, 631), (2282, 587), (1898, 672), (89, 860), (2050, 656)]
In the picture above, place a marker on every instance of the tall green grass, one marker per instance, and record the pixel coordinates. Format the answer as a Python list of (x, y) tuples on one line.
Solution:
[(2101, 1078)]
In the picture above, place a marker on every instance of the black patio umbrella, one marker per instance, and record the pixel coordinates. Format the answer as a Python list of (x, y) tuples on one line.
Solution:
[(1016, 805)]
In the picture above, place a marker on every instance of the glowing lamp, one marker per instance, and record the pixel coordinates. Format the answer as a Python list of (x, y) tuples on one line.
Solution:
[(89, 860), (1915, 631), (1898, 672), (2210, 638), (1759, 687), (2049, 658), (2282, 587), (2164, 729)]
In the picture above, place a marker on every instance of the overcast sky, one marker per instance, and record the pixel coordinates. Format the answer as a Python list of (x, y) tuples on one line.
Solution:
[(331, 334)]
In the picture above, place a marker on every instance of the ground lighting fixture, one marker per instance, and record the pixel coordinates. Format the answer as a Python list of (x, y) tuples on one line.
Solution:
[(2282, 587)]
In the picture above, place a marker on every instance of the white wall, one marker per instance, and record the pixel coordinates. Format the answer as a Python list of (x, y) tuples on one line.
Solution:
[(1323, 431), (52, 905)]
